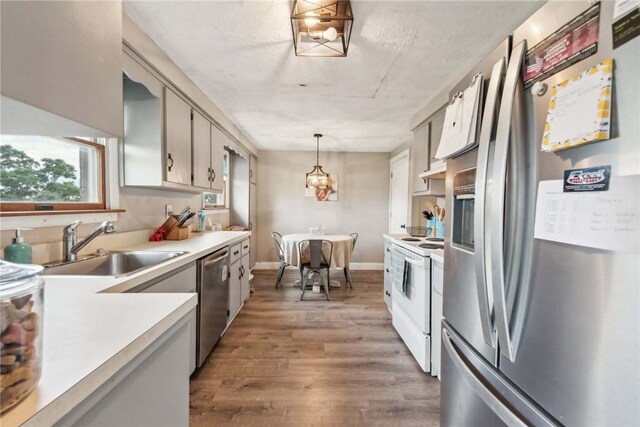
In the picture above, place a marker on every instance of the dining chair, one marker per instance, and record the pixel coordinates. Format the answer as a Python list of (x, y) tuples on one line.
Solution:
[(347, 273), (311, 255), (277, 241)]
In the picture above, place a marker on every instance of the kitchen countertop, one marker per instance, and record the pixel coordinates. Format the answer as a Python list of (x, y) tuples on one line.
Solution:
[(92, 329), (434, 254)]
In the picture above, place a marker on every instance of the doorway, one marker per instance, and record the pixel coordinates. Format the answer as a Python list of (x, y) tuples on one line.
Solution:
[(399, 192)]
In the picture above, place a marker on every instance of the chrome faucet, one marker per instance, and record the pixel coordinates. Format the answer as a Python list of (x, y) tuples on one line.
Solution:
[(70, 244)]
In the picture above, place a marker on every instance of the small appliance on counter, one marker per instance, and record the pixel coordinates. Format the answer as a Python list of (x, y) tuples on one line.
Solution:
[(21, 307), (19, 251)]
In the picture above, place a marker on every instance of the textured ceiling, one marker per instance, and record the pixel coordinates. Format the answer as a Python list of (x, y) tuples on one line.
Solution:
[(402, 53)]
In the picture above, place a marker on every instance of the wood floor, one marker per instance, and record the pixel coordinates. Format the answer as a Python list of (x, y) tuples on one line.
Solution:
[(313, 363)]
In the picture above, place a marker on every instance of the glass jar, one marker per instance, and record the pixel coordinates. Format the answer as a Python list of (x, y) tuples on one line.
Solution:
[(21, 307)]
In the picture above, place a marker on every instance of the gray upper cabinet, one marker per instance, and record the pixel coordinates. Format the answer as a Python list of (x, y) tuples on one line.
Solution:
[(218, 141), (61, 70), (420, 157), (201, 151), (253, 169), (177, 128), (142, 153), (437, 125)]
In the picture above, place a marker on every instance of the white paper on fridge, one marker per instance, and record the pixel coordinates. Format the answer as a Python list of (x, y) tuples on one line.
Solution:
[(607, 220), (579, 109), (459, 133)]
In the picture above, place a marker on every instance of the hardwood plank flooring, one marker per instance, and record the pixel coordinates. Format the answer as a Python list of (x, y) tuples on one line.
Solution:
[(286, 362)]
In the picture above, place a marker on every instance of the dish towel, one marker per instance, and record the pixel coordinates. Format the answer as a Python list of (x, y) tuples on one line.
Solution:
[(405, 276)]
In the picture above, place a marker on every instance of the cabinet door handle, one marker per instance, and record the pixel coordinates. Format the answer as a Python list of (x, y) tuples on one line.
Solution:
[(236, 252), (209, 171), (387, 293), (169, 165), (388, 250), (250, 173), (213, 175), (387, 270)]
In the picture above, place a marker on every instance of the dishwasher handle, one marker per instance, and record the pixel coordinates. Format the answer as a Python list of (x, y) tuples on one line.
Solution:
[(216, 257)]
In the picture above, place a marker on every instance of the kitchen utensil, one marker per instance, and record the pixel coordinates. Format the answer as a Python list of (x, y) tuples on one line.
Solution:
[(415, 230), (184, 214), (441, 217), (188, 220), (185, 211)]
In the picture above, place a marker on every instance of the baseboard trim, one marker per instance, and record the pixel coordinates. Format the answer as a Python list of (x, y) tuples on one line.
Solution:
[(353, 266)]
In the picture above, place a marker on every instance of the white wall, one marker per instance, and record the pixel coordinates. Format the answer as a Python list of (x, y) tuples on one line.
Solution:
[(362, 206)]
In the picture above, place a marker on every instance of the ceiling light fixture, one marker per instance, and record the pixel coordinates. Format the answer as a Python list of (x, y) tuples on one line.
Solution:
[(321, 27), (317, 177)]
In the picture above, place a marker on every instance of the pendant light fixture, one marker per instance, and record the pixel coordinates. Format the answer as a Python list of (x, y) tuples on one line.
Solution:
[(321, 27), (317, 177)]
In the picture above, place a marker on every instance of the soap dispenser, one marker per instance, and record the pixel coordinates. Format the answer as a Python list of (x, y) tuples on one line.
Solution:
[(19, 252)]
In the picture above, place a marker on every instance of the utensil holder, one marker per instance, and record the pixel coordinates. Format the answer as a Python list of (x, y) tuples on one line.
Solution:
[(177, 233), (173, 231)]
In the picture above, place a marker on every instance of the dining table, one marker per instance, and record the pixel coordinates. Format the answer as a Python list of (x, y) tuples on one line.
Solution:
[(340, 258)]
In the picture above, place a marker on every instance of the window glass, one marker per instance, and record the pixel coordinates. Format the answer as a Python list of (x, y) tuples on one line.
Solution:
[(39, 169)]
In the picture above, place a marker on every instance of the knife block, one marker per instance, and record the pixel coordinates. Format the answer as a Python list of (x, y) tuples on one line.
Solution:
[(173, 231), (178, 233)]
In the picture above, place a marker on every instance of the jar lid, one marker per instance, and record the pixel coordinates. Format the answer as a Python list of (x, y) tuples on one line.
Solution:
[(14, 277)]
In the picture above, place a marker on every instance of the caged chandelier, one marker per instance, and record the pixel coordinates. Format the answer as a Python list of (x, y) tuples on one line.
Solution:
[(317, 178), (321, 27)]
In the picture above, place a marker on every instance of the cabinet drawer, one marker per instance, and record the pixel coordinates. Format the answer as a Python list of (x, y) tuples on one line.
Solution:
[(245, 247), (236, 253)]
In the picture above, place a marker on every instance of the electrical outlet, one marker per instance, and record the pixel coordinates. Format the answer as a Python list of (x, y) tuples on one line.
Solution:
[(168, 210)]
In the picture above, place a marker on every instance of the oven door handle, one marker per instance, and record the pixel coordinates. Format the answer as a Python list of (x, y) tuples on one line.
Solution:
[(414, 262)]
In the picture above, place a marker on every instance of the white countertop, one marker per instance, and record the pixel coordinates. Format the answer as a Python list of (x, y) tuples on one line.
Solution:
[(435, 254), (92, 329)]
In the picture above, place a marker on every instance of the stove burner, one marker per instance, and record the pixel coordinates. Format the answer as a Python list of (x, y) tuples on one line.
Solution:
[(410, 239), (430, 246), (436, 239)]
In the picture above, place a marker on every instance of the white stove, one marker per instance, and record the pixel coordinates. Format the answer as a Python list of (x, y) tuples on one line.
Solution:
[(419, 245), (410, 273)]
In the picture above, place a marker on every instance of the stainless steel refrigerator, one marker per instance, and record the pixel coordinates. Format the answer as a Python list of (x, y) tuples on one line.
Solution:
[(537, 332)]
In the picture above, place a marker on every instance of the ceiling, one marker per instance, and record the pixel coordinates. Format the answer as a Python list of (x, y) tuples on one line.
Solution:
[(402, 53)]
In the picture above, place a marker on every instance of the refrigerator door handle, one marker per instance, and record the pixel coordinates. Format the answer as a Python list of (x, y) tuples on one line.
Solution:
[(512, 84), (487, 396), (481, 237)]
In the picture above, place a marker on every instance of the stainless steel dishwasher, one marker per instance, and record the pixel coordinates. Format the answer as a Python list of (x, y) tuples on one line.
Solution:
[(213, 300)]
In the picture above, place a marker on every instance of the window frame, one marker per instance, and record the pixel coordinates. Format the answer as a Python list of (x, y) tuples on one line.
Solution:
[(43, 208)]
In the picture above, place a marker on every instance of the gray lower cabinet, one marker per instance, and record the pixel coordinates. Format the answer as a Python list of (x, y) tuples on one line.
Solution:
[(151, 390), (239, 286), (182, 280), (387, 274), (235, 301), (245, 287)]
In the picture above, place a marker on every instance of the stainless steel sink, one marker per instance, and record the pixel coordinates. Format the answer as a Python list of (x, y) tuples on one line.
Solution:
[(112, 264)]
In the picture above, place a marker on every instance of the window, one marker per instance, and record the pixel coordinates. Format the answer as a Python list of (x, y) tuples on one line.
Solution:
[(41, 173)]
